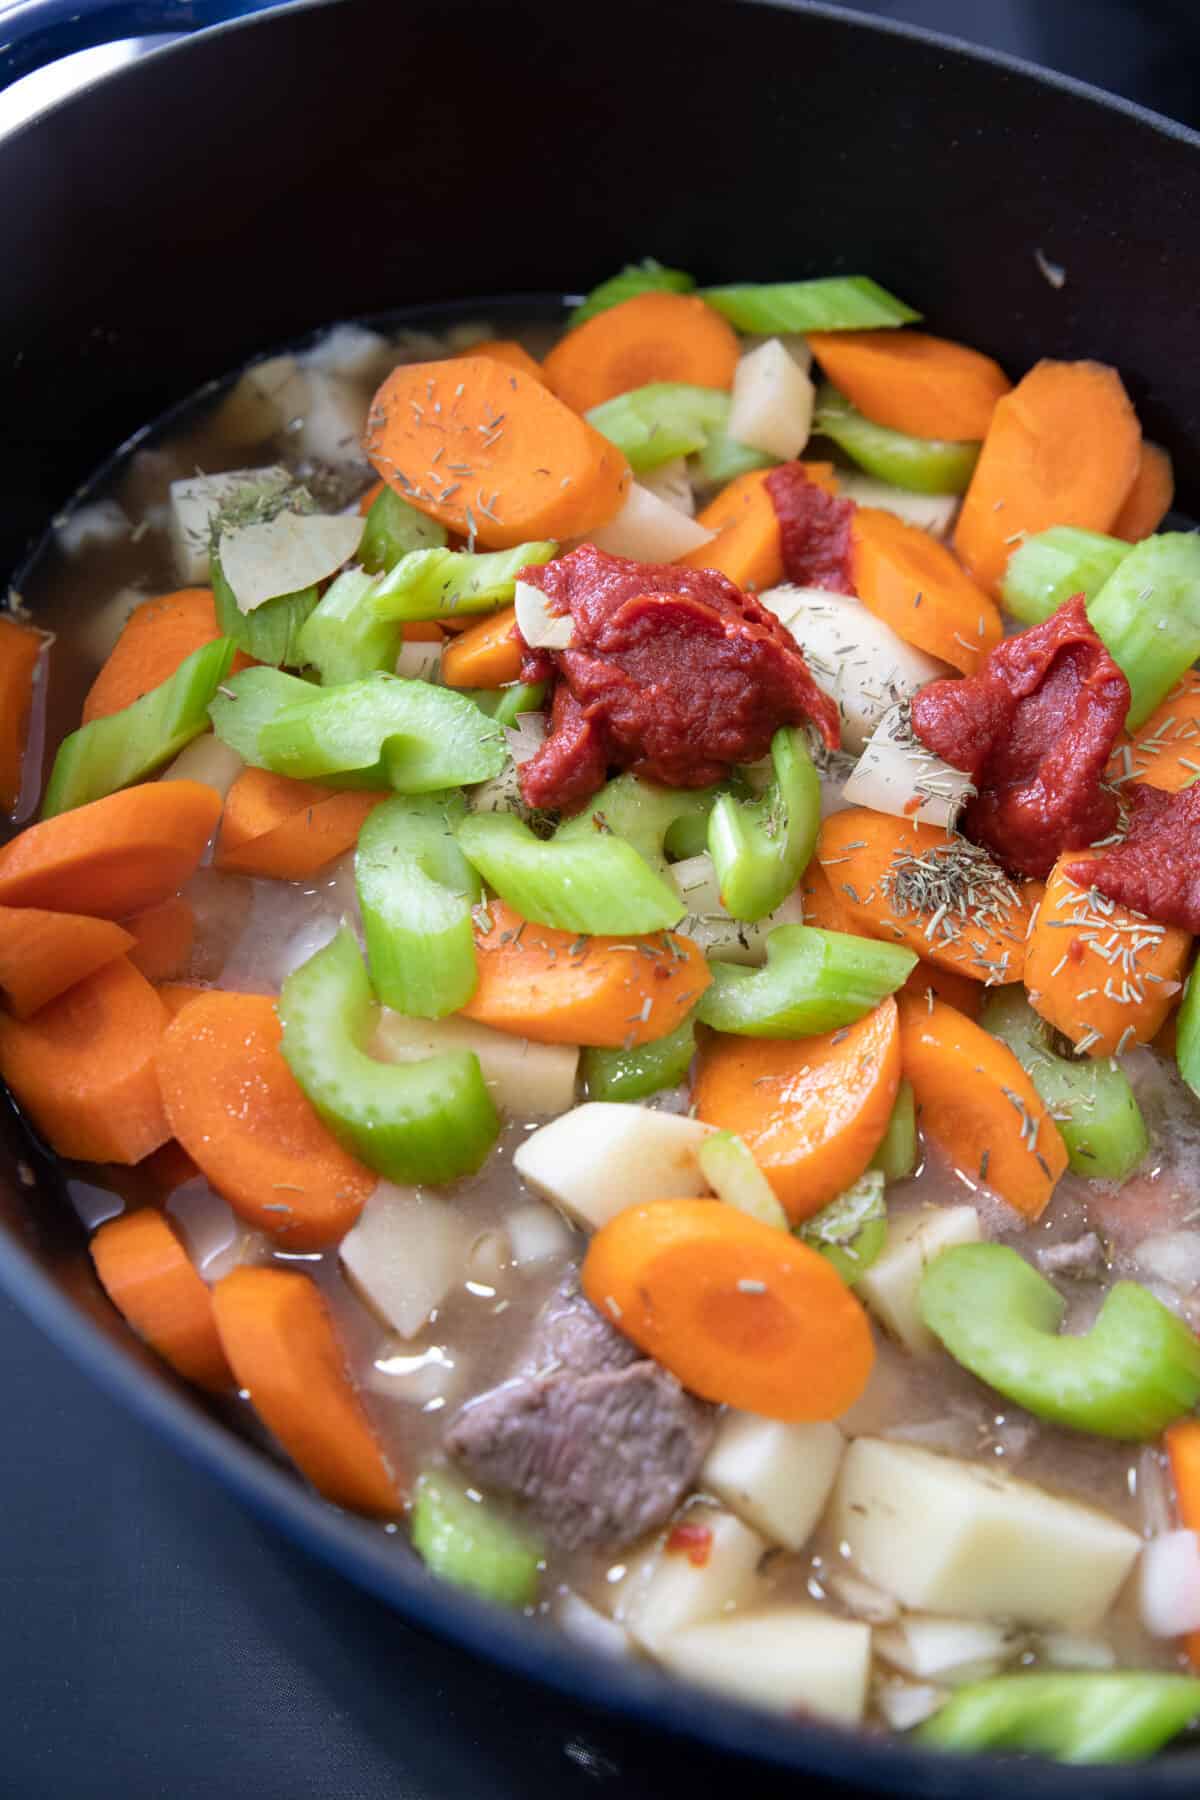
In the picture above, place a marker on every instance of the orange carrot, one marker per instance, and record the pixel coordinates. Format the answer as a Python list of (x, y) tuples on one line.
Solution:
[(168, 1167), (83, 1067), (280, 1339), (824, 905), (274, 826), (747, 547), (163, 937), (372, 494), (148, 1276), (976, 1103), (740, 1312), (42, 954), (913, 584), (20, 648), (537, 469), (945, 984), (653, 337), (176, 994), (423, 631), (1103, 976), (157, 636), (113, 856), (1182, 1444), (507, 350), (236, 1108), (925, 386), (486, 655), (1062, 449), (812, 1110), (1150, 498), (557, 988), (1164, 751)]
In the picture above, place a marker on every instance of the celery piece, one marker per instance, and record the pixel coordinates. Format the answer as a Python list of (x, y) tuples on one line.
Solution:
[(722, 459), (448, 584), (662, 420), (506, 704), (641, 812), (852, 1230), (127, 746), (643, 1069), (1187, 1034), (248, 701), (727, 1164), (814, 981), (384, 731), (597, 885), (465, 1541), (1128, 1377), (1098, 1716), (416, 890), (271, 632), (345, 637), (687, 836), (428, 1121), (648, 277), (896, 1157), (834, 303), (1148, 614), (393, 528), (1052, 566), (1091, 1100), (761, 848), (927, 465)]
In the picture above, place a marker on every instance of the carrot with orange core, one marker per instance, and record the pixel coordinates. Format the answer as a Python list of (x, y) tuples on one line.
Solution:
[(1102, 975), (286, 830), (813, 1111), (1182, 1444), (512, 354), (1150, 498), (824, 905), (113, 856), (1164, 752), (163, 937), (913, 583), (148, 1276), (740, 1312), (176, 994), (486, 655), (83, 1067), (1063, 448), (519, 464), (157, 636), (924, 386), (42, 954), (945, 984), (21, 647), (653, 337), (557, 988), (279, 1337), (236, 1108)]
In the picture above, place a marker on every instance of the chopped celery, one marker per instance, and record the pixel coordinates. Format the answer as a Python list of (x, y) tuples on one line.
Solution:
[(662, 420), (1148, 614), (1053, 565), (835, 303), (927, 465), (384, 731), (648, 277), (761, 848), (394, 528), (727, 1164), (429, 1121), (596, 885), (447, 584), (127, 746), (852, 1230), (687, 836), (1128, 1377), (416, 890), (814, 981), (1076, 1716), (1090, 1100), (345, 637), (271, 632), (465, 1541), (722, 459), (248, 701), (643, 1069), (641, 812), (1187, 1034), (896, 1157), (506, 704)]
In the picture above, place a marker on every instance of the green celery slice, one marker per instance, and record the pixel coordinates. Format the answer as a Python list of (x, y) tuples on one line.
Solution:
[(648, 277), (1052, 566), (465, 1541), (832, 303), (1148, 614), (1110, 1716), (926, 465), (384, 731), (248, 701), (727, 1164), (643, 813), (428, 1121), (1187, 1034), (814, 981), (129, 745), (599, 886), (393, 528), (896, 1157), (852, 1230), (722, 459), (761, 848), (1128, 1377), (653, 424), (271, 633), (448, 584), (506, 704), (344, 637), (416, 890), (643, 1069)]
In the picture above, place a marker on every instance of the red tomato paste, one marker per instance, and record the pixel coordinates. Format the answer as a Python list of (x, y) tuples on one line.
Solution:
[(1156, 870), (814, 531)]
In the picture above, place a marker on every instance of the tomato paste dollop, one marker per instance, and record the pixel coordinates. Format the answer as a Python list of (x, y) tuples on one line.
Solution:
[(1034, 729), (1156, 869), (671, 672), (814, 531)]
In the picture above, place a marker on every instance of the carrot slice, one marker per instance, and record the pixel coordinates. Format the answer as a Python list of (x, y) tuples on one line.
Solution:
[(149, 1278), (1182, 1444), (83, 1067), (824, 905), (976, 1103), (508, 351), (924, 386), (42, 954), (1150, 498), (20, 648), (747, 546), (283, 1348), (176, 994), (157, 636), (945, 984), (653, 337), (1102, 975), (913, 584), (114, 856), (168, 1167), (486, 655), (1164, 752), (367, 500), (537, 470), (236, 1108), (1062, 449), (163, 937), (274, 826), (812, 1110), (740, 1312), (557, 988)]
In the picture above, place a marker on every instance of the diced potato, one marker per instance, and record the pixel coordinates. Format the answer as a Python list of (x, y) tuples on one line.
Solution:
[(404, 1255), (777, 1477), (196, 499), (722, 937), (955, 1537), (905, 1704), (354, 352), (790, 1659), (333, 422), (665, 1592), (91, 527), (527, 1080), (264, 401), (582, 1622), (599, 1158), (649, 529), (891, 1286), (936, 1648), (537, 1234), (772, 404), (930, 512)]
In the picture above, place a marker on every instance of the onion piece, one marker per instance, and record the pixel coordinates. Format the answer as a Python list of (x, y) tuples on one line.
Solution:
[(905, 1704), (285, 554), (931, 512), (930, 1645), (649, 530), (673, 484), (1169, 1584), (1154, 1494), (419, 661), (897, 775), (208, 760), (772, 403), (1173, 1257), (719, 935), (542, 628)]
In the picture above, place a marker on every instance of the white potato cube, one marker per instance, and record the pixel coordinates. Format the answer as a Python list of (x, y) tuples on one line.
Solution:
[(896, 774), (772, 404), (777, 1477), (603, 1156), (937, 1648), (264, 401), (90, 527), (967, 1538), (673, 484), (332, 424), (929, 512), (790, 1659), (537, 1234), (404, 1255), (649, 529), (526, 1080), (352, 351), (194, 501), (891, 1287), (722, 937), (664, 1591)]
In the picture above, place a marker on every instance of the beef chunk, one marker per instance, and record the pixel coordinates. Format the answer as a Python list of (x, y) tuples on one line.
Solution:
[(570, 1335)]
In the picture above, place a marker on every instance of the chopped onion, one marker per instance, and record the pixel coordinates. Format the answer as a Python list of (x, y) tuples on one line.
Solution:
[(541, 628), (419, 661), (1171, 1256), (905, 1704), (537, 1234), (931, 512), (897, 775), (772, 405), (720, 936), (950, 1649), (649, 530), (1169, 1584), (794, 342), (673, 484), (1154, 1494), (285, 554), (208, 760), (85, 527)]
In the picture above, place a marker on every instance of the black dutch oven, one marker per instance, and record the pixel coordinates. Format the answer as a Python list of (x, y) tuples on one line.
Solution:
[(345, 157)]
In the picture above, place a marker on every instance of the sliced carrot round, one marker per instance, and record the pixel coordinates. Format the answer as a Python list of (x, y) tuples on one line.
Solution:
[(925, 386), (485, 655), (21, 647), (157, 636), (276, 827), (507, 350), (163, 937), (913, 583), (653, 337), (149, 1278), (42, 953)]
